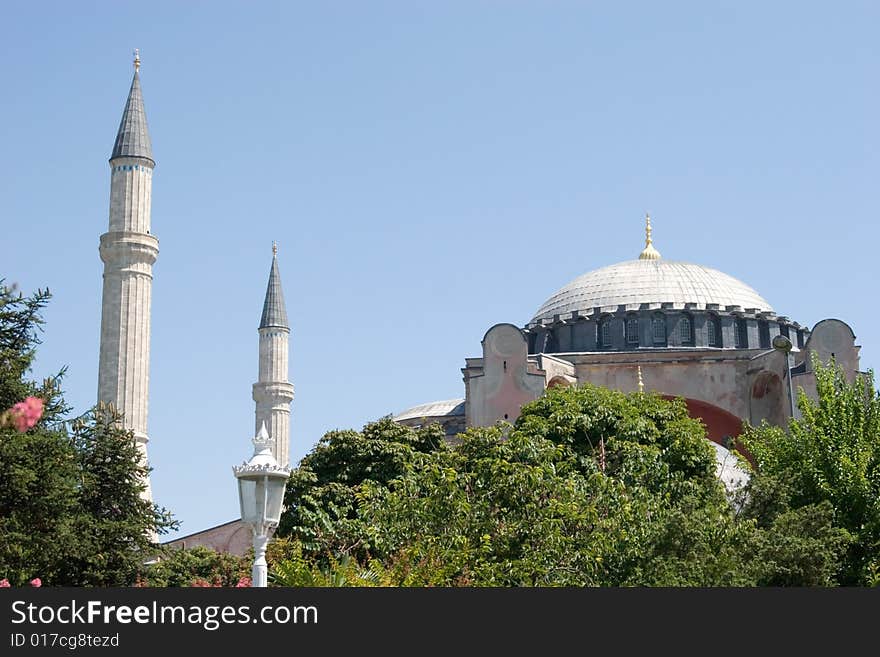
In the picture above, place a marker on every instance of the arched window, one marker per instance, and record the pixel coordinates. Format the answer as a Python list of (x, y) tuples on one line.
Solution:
[(533, 340), (764, 333), (547, 343), (632, 331), (740, 336), (686, 330), (658, 330), (605, 332), (714, 328)]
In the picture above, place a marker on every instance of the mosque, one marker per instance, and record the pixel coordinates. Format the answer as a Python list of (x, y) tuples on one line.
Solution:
[(674, 328)]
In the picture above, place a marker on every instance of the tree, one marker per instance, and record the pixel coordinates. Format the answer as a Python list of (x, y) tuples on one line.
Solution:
[(826, 464), (291, 565), (113, 522), (591, 487), (322, 496), (193, 566), (71, 510)]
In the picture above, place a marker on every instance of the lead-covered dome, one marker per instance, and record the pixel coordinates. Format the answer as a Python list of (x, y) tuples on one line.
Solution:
[(651, 281)]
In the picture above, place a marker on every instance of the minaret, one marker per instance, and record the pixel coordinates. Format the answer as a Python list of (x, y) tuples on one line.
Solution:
[(128, 251), (272, 391)]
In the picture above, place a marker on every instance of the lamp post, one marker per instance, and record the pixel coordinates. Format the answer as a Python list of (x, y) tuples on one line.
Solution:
[(261, 483), (783, 345)]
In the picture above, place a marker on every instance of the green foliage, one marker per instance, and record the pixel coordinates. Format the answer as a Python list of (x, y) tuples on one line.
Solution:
[(322, 494), (802, 547), (591, 487), (186, 567), (38, 500), (70, 506), (828, 459), (289, 565), (20, 326), (114, 524), (493, 512), (639, 432)]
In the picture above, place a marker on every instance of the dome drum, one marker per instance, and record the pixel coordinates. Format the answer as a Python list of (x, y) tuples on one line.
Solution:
[(713, 308), (624, 329)]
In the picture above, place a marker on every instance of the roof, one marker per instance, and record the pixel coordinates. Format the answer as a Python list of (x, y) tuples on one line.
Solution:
[(274, 312), (635, 282), (445, 408), (133, 138)]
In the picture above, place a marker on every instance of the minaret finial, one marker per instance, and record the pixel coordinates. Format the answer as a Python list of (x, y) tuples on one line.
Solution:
[(649, 252), (137, 60), (641, 383), (274, 248)]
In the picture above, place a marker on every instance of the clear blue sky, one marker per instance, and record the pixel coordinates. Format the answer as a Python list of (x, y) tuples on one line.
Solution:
[(428, 170)]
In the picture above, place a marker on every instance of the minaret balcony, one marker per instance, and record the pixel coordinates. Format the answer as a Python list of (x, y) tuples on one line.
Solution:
[(127, 247)]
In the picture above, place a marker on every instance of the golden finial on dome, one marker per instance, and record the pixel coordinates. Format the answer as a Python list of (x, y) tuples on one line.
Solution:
[(274, 248), (649, 253), (641, 383), (137, 60)]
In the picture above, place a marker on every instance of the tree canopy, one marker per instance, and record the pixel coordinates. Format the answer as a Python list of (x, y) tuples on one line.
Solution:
[(827, 462), (590, 487), (71, 506)]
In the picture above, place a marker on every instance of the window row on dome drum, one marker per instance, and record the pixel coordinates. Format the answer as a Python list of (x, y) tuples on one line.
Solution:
[(659, 330)]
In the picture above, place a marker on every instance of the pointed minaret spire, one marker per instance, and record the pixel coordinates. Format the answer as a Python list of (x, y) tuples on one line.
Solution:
[(649, 253), (272, 391), (133, 138), (274, 312)]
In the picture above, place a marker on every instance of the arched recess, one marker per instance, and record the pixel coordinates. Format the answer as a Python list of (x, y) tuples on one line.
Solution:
[(722, 427), (768, 399)]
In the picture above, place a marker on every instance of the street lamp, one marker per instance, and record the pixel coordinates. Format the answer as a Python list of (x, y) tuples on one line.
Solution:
[(261, 483), (783, 345)]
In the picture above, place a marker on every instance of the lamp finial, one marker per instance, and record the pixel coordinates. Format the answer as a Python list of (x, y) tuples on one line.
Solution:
[(649, 252)]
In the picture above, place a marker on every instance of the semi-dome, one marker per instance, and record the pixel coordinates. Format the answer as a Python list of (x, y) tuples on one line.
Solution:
[(652, 281), (435, 409)]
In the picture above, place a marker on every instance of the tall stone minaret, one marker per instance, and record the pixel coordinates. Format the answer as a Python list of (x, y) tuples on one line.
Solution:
[(272, 391), (128, 251)]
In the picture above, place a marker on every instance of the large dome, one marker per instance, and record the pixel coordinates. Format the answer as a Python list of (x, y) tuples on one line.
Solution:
[(651, 281)]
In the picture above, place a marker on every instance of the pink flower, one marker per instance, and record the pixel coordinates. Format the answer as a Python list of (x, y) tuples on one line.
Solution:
[(25, 414), (36, 581), (4, 583), (243, 582)]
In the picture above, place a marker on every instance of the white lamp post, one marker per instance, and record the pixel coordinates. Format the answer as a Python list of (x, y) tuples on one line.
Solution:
[(261, 483)]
